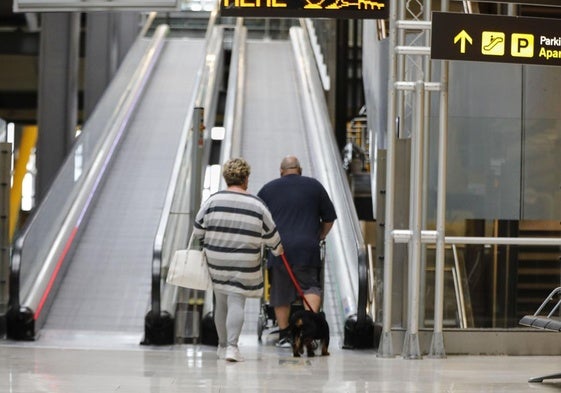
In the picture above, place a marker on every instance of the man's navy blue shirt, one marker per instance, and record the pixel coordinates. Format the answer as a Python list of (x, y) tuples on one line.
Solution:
[(298, 204)]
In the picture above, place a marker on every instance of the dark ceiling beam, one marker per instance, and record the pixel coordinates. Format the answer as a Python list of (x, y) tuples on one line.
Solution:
[(19, 43)]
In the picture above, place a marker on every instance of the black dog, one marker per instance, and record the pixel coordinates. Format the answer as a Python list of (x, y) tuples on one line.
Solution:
[(307, 326)]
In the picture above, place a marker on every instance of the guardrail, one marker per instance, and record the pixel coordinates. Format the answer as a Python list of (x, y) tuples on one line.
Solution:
[(231, 144), (176, 220), (346, 243)]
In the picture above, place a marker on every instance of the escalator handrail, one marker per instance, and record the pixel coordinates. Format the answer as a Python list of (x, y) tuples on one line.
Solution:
[(162, 296), (346, 237), (233, 113)]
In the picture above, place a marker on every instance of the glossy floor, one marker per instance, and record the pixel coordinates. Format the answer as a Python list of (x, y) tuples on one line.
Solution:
[(94, 362)]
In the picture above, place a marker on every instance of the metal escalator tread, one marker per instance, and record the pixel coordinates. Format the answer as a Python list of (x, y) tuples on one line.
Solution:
[(273, 127)]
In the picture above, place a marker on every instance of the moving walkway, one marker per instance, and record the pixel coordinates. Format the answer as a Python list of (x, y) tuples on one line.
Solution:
[(95, 254), (83, 260)]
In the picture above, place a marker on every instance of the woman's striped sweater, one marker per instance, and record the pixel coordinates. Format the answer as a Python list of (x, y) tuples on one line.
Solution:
[(233, 226)]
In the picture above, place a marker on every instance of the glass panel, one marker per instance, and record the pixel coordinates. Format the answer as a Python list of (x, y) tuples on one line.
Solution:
[(542, 144), (483, 176), (484, 142), (502, 180)]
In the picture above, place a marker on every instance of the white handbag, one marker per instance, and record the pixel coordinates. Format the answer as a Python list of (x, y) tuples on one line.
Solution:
[(188, 269)]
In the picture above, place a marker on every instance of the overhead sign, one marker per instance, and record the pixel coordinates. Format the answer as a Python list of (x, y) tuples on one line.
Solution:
[(552, 3), (502, 39), (94, 5), (340, 9)]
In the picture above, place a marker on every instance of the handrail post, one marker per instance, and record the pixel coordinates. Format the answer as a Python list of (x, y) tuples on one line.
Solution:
[(385, 348), (437, 344), (197, 145), (5, 175), (411, 348)]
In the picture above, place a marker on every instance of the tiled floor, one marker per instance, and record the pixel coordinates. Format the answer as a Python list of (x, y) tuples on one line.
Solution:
[(93, 362)]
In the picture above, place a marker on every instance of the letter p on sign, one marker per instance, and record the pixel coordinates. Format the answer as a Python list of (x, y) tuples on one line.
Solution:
[(522, 45)]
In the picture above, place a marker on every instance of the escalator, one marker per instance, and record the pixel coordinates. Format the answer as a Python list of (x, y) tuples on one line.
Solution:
[(83, 262), (95, 255), (115, 247), (294, 121)]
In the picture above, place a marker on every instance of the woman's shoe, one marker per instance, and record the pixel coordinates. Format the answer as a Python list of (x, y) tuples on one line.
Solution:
[(233, 354)]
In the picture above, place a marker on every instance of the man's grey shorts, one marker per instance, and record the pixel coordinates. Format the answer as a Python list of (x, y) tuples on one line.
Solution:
[(283, 292)]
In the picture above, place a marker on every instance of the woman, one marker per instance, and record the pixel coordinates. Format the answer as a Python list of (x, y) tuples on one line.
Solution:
[(233, 225)]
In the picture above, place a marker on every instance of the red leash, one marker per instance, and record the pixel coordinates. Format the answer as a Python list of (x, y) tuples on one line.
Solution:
[(298, 288)]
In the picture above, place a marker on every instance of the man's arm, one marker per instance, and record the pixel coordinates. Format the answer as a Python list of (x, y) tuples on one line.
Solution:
[(324, 229)]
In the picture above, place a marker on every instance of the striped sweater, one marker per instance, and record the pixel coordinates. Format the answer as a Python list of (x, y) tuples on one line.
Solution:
[(233, 226)]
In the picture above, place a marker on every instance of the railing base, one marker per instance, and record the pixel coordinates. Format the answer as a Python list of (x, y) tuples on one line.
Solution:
[(437, 346), (385, 349), (209, 336), (158, 329), (411, 348), (20, 324), (360, 335)]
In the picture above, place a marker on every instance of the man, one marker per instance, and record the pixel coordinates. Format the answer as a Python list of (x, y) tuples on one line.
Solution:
[(304, 215)]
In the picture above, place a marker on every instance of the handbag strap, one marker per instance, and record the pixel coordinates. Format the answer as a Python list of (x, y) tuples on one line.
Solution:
[(191, 240)]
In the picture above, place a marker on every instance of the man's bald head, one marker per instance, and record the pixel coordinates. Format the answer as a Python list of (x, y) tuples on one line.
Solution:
[(290, 165)]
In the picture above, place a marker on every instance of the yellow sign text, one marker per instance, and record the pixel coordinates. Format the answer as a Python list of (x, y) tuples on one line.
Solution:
[(254, 3), (550, 53)]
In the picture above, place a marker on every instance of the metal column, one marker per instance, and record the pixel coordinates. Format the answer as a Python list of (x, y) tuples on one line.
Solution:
[(58, 94), (385, 348), (402, 46), (437, 344), (197, 145), (109, 36), (5, 176), (411, 348)]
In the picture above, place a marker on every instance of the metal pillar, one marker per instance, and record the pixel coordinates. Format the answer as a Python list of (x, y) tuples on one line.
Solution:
[(197, 145), (411, 348), (397, 109), (385, 348), (437, 343), (5, 176), (58, 94), (109, 36)]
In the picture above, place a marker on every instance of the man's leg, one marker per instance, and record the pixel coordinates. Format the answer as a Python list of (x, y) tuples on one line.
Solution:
[(314, 300), (282, 314), (309, 278), (281, 293)]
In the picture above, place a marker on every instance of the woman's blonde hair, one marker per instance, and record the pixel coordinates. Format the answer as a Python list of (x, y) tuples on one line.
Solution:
[(235, 171)]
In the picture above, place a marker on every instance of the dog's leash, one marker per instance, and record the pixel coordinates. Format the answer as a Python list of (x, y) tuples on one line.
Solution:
[(295, 282)]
